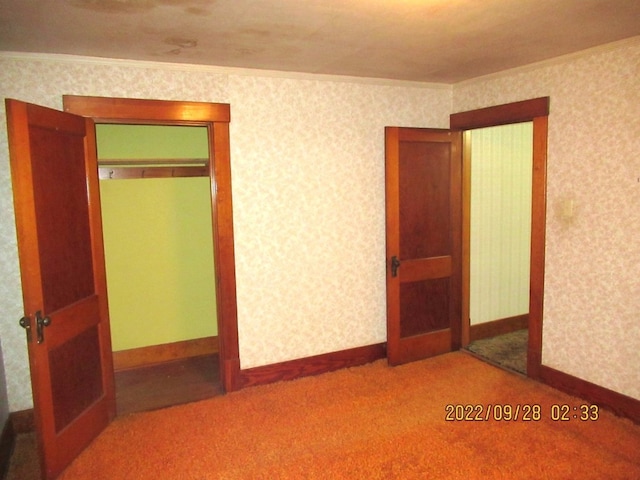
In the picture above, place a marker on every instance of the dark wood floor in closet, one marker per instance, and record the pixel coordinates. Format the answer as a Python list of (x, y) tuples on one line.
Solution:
[(167, 384)]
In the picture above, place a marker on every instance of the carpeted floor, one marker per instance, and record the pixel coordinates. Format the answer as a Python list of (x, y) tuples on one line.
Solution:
[(373, 422), (508, 350)]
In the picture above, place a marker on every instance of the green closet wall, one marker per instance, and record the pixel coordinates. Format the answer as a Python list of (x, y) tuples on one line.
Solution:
[(158, 240)]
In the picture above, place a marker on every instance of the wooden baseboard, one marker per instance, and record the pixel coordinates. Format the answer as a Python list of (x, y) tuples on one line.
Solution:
[(315, 365), (620, 404), (22, 421), (18, 422), (498, 327), (168, 352), (7, 443)]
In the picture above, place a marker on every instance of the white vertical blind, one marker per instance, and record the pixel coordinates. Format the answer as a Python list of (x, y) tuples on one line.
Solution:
[(501, 177)]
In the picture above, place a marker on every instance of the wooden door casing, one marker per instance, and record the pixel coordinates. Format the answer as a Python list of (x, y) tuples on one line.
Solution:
[(59, 232), (537, 111), (423, 212), (216, 117)]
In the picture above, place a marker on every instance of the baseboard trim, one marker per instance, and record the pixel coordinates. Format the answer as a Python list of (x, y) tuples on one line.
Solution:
[(22, 421), (167, 352), (498, 327), (7, 443), (17, 423), (620, 404), (309, 366)]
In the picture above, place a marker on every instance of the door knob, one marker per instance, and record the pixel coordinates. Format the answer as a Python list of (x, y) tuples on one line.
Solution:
[(25, 322)]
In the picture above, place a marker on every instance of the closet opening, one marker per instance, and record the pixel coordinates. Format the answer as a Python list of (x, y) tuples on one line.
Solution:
[(166, 198), (157, 228), (534, 115), (500, 170)]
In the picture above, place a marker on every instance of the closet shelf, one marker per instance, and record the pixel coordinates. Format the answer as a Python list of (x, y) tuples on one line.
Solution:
[(152, 168)]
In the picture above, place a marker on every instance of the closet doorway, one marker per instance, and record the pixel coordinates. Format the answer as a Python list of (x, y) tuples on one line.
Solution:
[(535, 111), (168, 247), (156, 222), (500, 160)]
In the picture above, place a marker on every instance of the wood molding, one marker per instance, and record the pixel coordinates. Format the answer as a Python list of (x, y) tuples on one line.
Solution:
[(498, 327), (7, 443), (515, 112), (620, 404), (537, 111), (309, 366), (106, 109), (17, 423), (168, 352), (22, 421), (538, 244)]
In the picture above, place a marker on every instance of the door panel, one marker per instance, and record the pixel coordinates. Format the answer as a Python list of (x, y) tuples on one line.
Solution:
[(55, 186), (66, 265), (423, 202)]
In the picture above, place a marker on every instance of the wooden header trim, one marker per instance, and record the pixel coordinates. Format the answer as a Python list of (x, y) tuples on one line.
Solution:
[(114, 110), (517, 112)]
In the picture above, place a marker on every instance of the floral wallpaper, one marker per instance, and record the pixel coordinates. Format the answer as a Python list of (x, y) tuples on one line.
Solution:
[(307, 159), (591, 326), (4, 399), (308, 185)]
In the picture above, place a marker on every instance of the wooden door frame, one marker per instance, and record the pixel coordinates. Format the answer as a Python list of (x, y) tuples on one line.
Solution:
[(536, 111), (216, 117)]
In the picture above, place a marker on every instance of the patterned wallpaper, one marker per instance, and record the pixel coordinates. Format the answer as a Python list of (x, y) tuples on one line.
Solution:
[(308, 185), (591, 323), (4, 399)]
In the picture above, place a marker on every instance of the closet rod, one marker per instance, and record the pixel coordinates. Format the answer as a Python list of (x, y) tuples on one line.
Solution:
[(118, 173)]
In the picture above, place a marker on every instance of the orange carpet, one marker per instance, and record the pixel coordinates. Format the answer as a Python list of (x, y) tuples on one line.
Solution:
[(369, 422)]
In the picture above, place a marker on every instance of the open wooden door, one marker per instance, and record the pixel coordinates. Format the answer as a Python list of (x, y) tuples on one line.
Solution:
[(423, 229), (57, 206)]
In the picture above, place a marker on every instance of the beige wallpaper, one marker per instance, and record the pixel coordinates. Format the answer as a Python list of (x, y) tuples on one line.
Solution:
[(308, 183), (592, 304), (4, 399), (308, 186)]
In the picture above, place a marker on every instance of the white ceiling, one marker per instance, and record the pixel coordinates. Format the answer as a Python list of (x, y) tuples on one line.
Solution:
[(443, 41)]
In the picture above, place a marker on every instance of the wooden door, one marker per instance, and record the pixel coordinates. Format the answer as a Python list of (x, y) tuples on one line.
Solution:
[(57, 206), (423, 230)]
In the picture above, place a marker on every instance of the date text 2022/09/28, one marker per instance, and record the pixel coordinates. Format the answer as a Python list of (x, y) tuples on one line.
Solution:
[(522, 412)]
